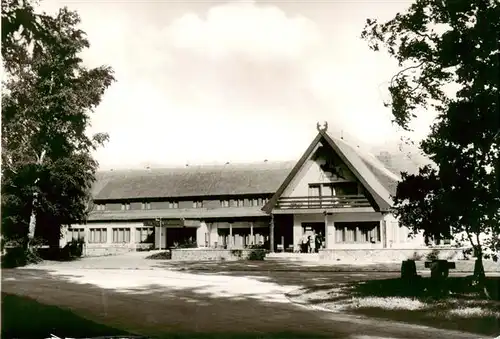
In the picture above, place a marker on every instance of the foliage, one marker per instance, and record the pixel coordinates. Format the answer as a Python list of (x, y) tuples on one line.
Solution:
[(187, 243), (237, 253), (48, 96), (433, 255), (443, 46), (167, 255), (257, 254)]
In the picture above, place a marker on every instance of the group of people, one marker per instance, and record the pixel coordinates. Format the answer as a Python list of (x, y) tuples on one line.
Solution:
[(311, 242)]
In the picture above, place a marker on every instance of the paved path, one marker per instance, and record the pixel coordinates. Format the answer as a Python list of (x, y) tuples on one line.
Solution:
[(153, 302)]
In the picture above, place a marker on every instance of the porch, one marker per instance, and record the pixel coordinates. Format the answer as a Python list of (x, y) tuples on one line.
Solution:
[(312, 233)]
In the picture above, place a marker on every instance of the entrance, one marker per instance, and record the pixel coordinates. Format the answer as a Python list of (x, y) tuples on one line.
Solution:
[(313, 237), (181, 236)]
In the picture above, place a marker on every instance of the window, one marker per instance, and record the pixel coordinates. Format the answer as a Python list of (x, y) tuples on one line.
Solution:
[(121, 235), (238, 202), (197, 204), (98, 235), (345, 188), (146, 206), (125, 206), (254, 202), (76, 233), (144, 235), (224, 203), (100, 207), (173, 204), (357, 232)]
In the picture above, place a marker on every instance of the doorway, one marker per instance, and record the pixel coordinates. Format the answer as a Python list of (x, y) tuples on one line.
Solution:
[(316, 232)]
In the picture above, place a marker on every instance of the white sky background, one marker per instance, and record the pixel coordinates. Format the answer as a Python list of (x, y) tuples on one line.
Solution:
[(203, 82)]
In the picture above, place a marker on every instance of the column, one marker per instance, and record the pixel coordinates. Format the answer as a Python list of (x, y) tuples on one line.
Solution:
[(330, 233), (231, 242), (383, 233), (297, 234), (271, 234), (252, 239), (201, 232), (214, 234), (327, 231)]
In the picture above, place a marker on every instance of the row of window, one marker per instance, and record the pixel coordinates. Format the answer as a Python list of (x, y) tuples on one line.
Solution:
[(119, 235), (334, 189), (196, 204)]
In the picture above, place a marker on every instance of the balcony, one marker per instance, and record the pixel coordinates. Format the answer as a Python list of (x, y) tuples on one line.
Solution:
[(343, 201)]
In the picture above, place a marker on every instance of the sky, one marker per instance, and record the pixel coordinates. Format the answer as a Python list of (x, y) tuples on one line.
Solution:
[(213, 82)]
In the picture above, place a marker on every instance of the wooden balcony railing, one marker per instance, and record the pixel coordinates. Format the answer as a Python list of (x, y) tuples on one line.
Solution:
[(343, 201)]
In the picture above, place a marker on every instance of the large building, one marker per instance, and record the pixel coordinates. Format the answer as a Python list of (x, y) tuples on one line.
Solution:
[(336, 191)]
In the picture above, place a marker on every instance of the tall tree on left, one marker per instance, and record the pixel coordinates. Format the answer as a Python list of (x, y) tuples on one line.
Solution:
[(47, 98)]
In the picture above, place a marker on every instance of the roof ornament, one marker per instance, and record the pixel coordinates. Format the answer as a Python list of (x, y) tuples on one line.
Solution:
[(322, 126)]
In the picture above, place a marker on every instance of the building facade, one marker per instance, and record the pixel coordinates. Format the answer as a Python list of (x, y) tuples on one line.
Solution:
[(336, 196)]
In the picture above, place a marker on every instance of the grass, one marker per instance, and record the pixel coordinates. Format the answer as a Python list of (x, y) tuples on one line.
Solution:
[(26, 318), (457, 305)]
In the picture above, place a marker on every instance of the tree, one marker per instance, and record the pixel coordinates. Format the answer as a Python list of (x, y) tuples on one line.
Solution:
[(47, 99), (438, 43)]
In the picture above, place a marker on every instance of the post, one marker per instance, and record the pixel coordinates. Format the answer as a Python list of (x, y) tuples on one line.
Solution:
[(161, 232), (271, 234), (326, 230), (252, 240)]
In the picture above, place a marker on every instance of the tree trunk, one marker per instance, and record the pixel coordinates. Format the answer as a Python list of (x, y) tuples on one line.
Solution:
[(480, 275), (32, 223)]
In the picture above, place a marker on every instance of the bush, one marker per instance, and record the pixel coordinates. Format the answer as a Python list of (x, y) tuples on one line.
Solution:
[(257, 254), (162, 255), (434, 255), (14, 257), (237, 253)]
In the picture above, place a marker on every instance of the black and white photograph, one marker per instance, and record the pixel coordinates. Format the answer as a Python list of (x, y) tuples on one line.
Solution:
[(254, 169)]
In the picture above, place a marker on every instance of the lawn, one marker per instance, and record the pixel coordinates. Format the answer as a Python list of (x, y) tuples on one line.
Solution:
[(26, 318), (460, 308)]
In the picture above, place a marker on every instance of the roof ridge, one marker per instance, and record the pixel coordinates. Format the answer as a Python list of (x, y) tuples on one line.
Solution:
[(219, 166)]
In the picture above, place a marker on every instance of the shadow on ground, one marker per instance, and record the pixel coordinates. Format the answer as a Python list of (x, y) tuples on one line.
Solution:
[(454, 304), (160, 311)]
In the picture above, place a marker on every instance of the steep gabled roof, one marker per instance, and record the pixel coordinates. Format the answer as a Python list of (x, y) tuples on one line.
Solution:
[(379, 181), (192, 181)]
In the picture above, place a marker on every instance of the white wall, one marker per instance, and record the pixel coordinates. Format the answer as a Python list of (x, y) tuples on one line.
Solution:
[(311, 173), (397, 237)]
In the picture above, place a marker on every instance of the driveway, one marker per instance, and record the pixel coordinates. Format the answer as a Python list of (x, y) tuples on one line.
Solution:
[(156, 302)]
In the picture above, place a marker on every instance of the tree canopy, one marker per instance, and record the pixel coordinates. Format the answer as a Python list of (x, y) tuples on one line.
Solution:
[(47, 98), (449, 54)]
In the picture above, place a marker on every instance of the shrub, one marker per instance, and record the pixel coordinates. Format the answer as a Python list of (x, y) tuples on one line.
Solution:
[(14, 257), (159, 256), (434, 255), (257, 254), (237, 253)]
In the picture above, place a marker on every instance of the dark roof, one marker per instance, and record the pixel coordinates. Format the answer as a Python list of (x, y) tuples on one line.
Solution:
[(230, 179)]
